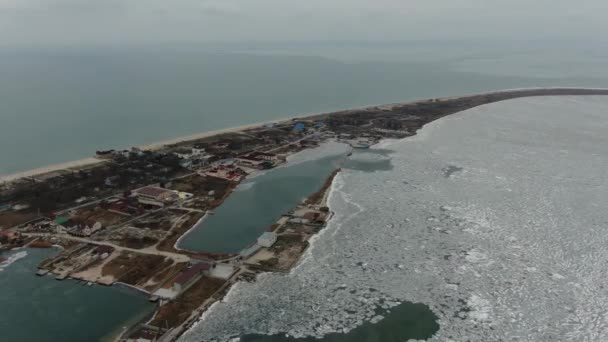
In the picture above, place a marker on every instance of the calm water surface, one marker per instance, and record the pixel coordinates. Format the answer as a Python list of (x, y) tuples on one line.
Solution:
[(406, 321), (259, 202), (61, 104), (42, 309)]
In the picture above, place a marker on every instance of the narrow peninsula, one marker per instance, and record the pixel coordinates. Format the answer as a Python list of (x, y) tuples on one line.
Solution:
[(121, 217)]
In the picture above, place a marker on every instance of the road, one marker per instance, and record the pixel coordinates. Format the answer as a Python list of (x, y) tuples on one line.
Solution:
[(175, 256)]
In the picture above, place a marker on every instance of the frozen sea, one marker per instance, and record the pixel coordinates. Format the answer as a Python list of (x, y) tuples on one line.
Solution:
[(494, 217)]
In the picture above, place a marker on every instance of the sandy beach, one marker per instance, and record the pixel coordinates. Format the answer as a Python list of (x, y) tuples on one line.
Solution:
[(81, 163), (158, 145), (51, 168), (202, 135)]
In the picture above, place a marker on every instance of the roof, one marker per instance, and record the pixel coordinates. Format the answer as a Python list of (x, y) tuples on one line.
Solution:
[(61, 220), (151, 191), (299, 126), (190, 273)]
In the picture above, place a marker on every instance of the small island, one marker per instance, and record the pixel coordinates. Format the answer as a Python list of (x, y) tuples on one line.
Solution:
[(118, 218)]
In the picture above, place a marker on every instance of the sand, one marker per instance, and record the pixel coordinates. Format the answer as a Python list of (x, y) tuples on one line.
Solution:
[(94, 274), (76, 164), (155, 146), (81, 163)]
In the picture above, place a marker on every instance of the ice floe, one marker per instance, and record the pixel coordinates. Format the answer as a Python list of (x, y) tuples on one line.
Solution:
[(513, 247)]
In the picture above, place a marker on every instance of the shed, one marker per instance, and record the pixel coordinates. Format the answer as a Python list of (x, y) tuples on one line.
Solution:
[(62, 220)]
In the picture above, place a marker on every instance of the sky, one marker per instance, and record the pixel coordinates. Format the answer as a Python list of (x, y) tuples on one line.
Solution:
[(32, 22)]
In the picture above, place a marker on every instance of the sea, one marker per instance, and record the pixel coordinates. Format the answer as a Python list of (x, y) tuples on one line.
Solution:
[(63, 103), (489, 225)]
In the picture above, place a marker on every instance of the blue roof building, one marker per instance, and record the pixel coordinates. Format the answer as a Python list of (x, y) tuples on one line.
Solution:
[(299, 127)]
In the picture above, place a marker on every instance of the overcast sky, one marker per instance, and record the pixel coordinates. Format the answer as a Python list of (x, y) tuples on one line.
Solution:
[(143, 21)]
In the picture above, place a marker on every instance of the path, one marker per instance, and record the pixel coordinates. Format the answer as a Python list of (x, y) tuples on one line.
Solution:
[(175, 256)]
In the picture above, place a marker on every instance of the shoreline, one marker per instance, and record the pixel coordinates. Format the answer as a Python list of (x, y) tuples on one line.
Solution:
[(448, 109), (329, 224), (75, 164), (328, 190), (88, 161), (185, 234)]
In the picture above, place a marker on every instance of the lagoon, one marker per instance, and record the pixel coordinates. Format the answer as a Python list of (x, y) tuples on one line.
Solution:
[(259, 202)]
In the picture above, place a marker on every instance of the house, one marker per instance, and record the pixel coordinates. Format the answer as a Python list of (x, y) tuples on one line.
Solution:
[(197, 151), (84, 228), (266, 156), (61, 220), (183, 154), (195, 157), (9, 236), (299, 220), (254, 163), (155, 196), (267, 239), (228, 172), (184, 195), (190, 276), (206, 159)]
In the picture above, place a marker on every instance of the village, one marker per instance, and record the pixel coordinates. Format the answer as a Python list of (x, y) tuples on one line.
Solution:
[(118, 222)]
